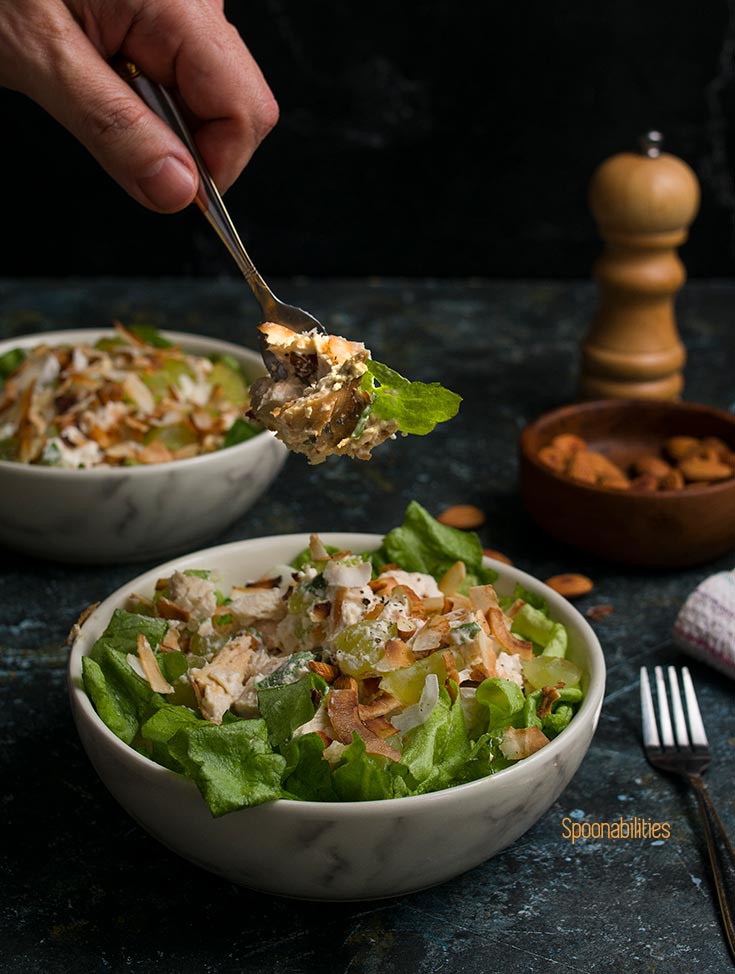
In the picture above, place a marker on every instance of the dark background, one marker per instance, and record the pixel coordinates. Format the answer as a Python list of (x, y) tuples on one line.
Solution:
[(426, 137)]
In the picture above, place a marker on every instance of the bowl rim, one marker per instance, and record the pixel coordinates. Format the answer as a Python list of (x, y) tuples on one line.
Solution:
[(631, 496), (588, 711), (80, 335)]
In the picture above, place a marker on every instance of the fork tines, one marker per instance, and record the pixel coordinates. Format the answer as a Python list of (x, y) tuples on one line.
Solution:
[(676, 735)]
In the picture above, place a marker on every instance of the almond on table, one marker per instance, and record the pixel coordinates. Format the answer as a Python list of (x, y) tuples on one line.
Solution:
[(571, 586)]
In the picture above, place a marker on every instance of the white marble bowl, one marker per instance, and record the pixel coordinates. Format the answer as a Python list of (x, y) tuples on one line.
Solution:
[(351, 850), (134, 513)]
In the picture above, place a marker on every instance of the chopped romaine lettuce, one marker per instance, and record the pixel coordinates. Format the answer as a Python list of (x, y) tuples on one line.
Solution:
[(422, 544), (415, 406), (239, 432)]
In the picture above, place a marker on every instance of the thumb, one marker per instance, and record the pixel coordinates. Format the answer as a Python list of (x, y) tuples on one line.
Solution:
[(136, 148)]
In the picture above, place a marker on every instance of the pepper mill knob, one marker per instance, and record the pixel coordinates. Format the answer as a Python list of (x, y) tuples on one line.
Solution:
[(643, 204)]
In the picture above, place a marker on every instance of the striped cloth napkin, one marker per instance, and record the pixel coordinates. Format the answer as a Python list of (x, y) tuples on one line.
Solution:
[(705, 626)]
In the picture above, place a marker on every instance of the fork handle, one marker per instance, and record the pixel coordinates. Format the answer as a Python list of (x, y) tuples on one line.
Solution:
[(208, 197), (721, 856)]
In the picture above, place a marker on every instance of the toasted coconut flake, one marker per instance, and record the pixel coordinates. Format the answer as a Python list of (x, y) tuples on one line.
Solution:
[(383, 704), (381, 727), (167, 609), (149, 664), (451, 665), (548, 696), (135, 389), (484, 598), (77, 627), (521, 742), (397, 656), (434, 635), (509, 642), (342, 707), (453, 578), (515, 608)]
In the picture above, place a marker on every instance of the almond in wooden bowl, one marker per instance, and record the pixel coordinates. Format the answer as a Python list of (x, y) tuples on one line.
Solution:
[(653, 521)]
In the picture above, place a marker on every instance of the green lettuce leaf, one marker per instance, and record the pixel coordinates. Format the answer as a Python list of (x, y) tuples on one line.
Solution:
[(422, 544), (150, 335), (10, 361), (122, 632), (286, 707), (435, 752), (239, 432), (532, 623), (120, 696), (233, 765), (416, 406), (363, 777), (307, 776), (504, 700)]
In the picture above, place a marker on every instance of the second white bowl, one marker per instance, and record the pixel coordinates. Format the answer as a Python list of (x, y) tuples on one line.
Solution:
[(134, 513)]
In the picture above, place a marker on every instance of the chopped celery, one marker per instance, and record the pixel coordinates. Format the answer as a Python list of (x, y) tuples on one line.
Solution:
[(548, 671)]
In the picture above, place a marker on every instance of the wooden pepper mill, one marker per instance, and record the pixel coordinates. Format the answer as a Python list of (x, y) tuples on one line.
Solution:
[(643, 204)]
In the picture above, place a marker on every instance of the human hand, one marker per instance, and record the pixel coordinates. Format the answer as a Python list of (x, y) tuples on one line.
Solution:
[(56, 51)]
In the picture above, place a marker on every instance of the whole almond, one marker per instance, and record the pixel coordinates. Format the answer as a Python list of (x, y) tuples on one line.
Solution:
[(568, 444), (596, 612), (673, 480), (648, 463), (679, 447), (614, 481), (582, 467), (497, 555), (553, 458), (570, 586), (604, 467), (463, 516), (698, 468), (646, 482), (721, 449)]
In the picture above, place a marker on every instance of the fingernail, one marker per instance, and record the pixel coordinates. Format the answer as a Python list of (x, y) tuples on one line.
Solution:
[(168, 184)]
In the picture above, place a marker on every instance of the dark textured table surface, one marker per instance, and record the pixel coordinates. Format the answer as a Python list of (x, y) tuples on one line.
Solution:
[(85, 890)]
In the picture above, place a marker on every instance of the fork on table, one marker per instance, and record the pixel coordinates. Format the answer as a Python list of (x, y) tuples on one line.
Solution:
[(684, 751)]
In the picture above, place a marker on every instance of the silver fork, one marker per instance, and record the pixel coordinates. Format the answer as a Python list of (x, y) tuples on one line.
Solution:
[(209, 200), (686, 752)]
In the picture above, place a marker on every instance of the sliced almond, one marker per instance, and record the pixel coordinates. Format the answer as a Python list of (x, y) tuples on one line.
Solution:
[(451, 665), (326, 671), (149, 665), (453, 578)]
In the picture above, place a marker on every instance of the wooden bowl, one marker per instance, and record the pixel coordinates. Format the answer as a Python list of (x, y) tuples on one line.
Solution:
[(664, 529)]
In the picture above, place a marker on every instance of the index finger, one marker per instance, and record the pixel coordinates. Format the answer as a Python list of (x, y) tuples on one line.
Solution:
[(193, 47)]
